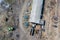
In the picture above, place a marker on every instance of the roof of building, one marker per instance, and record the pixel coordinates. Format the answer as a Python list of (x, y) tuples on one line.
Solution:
[(36, 11)]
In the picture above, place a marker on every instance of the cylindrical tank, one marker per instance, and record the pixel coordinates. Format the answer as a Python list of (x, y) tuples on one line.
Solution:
[(36, 11)]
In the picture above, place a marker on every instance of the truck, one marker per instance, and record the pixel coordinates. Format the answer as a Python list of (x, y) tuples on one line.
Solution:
[(37, 14)]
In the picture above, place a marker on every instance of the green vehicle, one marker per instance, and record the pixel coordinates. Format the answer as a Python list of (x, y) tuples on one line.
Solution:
[(10, 28)]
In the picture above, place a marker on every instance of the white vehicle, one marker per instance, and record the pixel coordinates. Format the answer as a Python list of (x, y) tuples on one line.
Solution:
[(4, 5), (1, 1)]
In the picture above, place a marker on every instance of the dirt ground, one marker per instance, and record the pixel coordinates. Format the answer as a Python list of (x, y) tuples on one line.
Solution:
[(51, 16)]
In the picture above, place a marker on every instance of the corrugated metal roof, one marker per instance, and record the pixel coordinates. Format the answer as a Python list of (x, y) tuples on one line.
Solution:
[(36, 11)]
